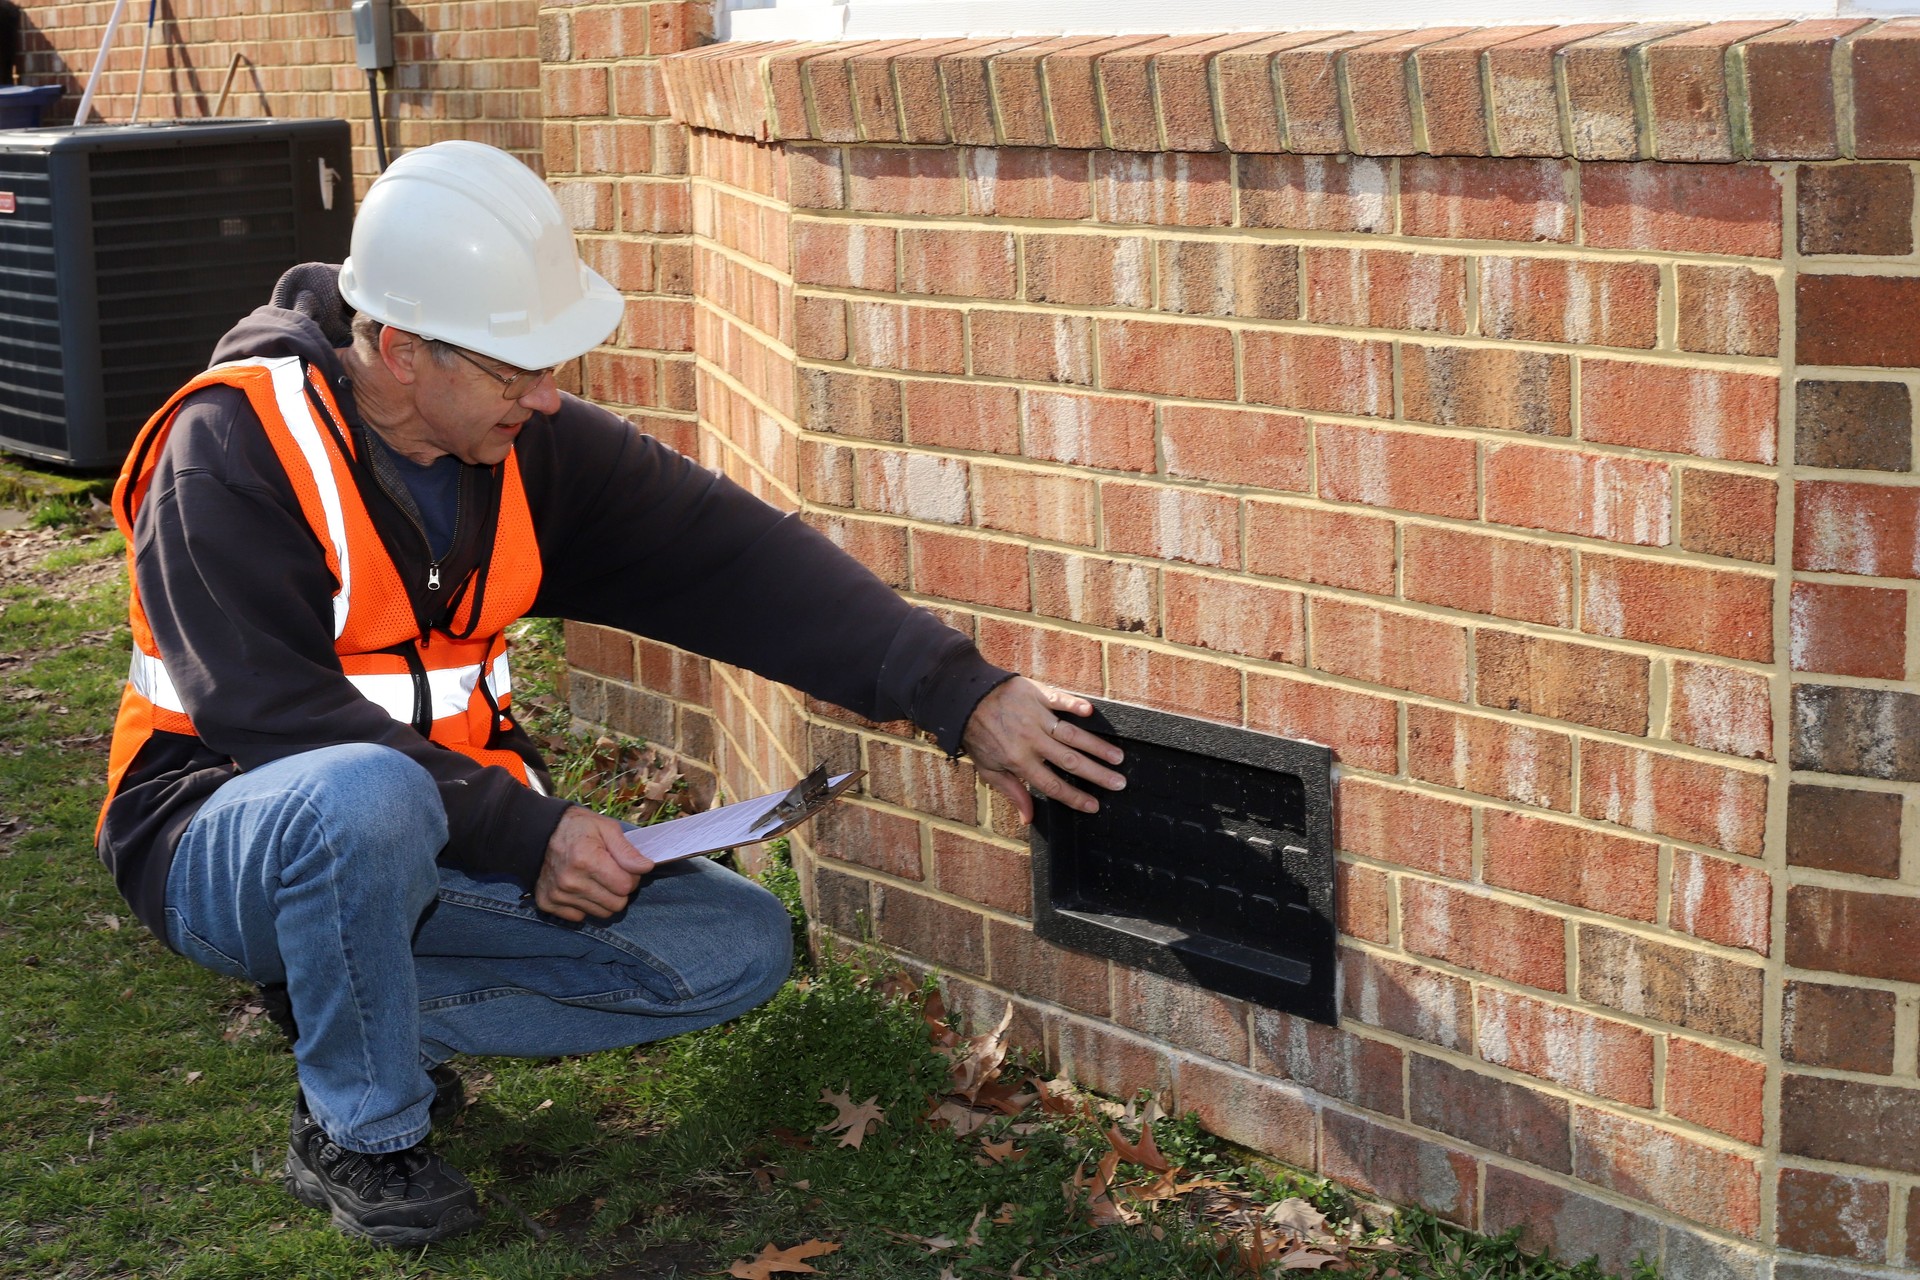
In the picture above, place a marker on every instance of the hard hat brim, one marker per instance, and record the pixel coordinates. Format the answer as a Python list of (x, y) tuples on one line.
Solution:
[(557, 339)]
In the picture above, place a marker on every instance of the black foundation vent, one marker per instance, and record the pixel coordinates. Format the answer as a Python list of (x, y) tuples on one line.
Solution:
[(1214, 867)]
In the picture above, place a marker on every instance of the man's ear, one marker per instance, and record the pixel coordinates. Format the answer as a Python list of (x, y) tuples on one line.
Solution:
[(400, 351)]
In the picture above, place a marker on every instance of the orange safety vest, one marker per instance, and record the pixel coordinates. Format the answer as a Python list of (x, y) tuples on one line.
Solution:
[(460, 684)]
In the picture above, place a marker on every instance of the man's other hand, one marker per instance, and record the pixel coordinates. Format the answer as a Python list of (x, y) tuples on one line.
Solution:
[(590, 869), (1018, 729)]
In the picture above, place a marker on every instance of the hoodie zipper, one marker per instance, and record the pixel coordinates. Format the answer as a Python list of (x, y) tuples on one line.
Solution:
[(433, 565), (406, 509)]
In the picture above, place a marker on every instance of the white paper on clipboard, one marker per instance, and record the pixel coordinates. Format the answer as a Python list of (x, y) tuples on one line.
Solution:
[(727, 827)]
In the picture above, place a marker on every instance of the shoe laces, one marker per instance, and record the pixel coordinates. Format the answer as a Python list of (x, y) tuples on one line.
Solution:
[(388, 1175)]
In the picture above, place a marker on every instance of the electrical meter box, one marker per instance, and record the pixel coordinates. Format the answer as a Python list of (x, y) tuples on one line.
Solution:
[(373, 34), (127, 251)]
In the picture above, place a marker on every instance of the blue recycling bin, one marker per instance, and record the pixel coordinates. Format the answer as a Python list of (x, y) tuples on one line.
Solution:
[(21, 104)]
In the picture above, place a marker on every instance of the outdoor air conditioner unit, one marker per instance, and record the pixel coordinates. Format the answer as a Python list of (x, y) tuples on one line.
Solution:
[(126, 251)]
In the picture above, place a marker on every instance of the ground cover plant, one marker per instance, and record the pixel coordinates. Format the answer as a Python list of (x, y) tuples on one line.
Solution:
[(846, 1129)]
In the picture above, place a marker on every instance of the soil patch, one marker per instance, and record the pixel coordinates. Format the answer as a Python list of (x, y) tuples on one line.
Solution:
[(24, 550), (663, 1262), (23, 555)]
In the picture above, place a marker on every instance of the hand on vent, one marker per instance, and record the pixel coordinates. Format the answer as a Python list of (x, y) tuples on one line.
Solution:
[(1020, 729)]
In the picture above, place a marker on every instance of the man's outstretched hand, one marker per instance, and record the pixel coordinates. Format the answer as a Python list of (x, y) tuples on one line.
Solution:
[(1019, 728), (590, 868)]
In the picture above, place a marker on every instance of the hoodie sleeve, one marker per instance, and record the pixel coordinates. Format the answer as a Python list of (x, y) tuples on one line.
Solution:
[(236, 589), (635, 536)]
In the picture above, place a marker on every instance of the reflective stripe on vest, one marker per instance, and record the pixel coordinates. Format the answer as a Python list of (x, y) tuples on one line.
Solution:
[(466, 682), (148, 675), (449, 689), (290, 390)]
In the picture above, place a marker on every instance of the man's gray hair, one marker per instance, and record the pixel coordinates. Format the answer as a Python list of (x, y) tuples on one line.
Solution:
[(366, 335)]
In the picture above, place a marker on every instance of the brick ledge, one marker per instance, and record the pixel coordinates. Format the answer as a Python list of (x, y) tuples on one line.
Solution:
[(1811, 90)]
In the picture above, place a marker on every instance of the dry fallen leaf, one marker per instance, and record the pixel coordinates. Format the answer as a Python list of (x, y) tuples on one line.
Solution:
[(1007, 1099), (854, 1120), (962, 1119), (1255, 1253), (1304, 1259), (933, 1244), (1093, 1195), (1147, 1114), (1058, 1097), (974, 1239), (934, 1014), (1104, 1171), (978, 1059), (1168, 1187), (1143, 1153), (773, 1259), (1002, 1152), (1302, 1219), (897, 985)]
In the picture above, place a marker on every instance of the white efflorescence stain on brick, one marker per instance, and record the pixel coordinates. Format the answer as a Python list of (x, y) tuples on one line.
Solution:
[(933, 488), (1062, 426), (1195, 541)]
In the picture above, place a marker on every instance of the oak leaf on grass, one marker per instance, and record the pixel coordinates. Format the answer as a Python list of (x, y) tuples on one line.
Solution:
[(1302, 1219), (932, 1244), (963, 1120), (1143, 1153), (1305, 1259), (855, 1119), (773, 1260)]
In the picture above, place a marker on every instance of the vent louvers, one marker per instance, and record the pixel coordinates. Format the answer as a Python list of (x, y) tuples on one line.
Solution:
[(1213, 867)]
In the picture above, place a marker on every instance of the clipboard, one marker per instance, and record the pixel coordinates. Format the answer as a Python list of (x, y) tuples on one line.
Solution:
[(744, 821)]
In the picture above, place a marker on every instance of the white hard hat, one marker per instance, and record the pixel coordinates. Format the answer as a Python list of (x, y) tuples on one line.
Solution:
[(461, 242)]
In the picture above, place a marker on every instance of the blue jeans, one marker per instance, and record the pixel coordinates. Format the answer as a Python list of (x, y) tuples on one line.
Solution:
[(318, 871)]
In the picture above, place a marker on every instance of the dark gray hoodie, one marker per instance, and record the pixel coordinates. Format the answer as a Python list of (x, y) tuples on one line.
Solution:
[(631, 535)]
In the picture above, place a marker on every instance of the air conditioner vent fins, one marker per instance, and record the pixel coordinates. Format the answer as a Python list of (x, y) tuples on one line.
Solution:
[(132, 250)]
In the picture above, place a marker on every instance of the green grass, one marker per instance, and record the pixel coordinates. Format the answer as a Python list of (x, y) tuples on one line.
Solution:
[(143, 1105), (25, 483)]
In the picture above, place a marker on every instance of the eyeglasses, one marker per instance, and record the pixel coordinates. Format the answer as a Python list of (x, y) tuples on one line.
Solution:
[(512, 385)]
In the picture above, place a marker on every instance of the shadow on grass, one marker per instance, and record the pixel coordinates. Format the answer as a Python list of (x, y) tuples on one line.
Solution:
[(143, 1102)]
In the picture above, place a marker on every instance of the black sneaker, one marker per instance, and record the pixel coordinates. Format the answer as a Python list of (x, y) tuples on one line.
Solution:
[(449, 1095), (402, 1199)]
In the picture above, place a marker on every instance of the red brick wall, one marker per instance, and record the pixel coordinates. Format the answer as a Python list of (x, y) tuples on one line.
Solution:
[(1524, 413), (465, 70), (620, 168), (1438, 397)]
